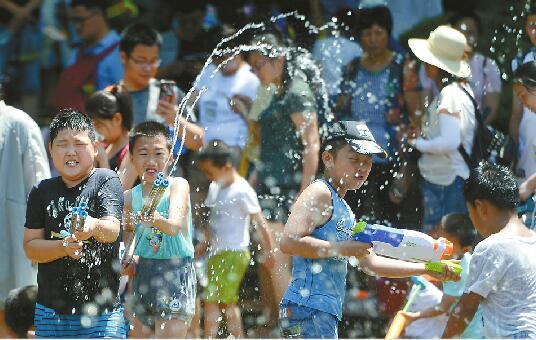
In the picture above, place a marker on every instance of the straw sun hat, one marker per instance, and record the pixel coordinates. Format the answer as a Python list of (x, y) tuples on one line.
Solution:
[(445, 49)]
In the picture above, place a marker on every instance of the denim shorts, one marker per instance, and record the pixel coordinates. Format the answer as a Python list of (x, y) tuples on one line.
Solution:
[(49, 324), (163, 289), (440, 200), (298, 322)]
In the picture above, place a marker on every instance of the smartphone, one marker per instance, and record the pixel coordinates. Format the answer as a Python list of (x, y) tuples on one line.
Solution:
[(167, 90)]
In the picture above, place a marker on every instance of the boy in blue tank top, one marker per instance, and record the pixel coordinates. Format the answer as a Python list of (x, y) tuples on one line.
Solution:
[(318, 236), (159, 259)]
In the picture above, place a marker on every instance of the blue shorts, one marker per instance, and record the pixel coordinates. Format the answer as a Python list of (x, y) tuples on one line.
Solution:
[(440, 200), (163, 289), (49, 324), (297, 321)]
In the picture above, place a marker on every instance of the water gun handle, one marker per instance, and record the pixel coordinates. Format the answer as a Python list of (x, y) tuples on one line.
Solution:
[(438, 266)]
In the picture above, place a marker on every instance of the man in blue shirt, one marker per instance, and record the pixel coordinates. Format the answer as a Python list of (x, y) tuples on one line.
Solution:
[(89, 19)]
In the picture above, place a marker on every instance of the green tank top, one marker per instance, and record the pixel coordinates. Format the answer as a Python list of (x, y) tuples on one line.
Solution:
[(154, 244)]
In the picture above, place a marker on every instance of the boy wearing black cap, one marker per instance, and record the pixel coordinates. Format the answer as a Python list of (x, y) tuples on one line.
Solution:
[(318, 236)]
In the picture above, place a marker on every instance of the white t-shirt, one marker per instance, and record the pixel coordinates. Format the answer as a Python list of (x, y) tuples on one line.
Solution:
[(442, 167), (215, 113), (526, 162), (333, 54), (503, 272), (427, 328), (230, 208)]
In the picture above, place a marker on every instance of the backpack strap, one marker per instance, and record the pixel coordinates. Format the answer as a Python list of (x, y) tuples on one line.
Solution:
[(102, 55), (479, 125)]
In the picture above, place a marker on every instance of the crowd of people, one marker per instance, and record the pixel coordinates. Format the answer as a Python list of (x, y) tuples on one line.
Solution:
[(172, 132)]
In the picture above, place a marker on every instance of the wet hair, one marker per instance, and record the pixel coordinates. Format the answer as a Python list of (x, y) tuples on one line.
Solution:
[(100, 5), (457, 17), (219, 153), (105, 104), (526, 74), (379, 15), (71, 119), (20, 310), (460, 225), (492, 183), (149, 129), (332, 146), (138, 34)]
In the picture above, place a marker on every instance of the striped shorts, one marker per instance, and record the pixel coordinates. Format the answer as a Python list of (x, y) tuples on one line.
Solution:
[(49, 324)]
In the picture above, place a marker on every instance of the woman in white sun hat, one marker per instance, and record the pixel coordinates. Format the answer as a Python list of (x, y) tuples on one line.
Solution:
[(449, 122)]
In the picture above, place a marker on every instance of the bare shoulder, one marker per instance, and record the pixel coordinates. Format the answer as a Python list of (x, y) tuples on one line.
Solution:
[(179, 183), (316, 194)]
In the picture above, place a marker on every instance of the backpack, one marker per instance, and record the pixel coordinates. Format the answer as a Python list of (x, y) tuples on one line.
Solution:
[(489, 144), (78, 81)]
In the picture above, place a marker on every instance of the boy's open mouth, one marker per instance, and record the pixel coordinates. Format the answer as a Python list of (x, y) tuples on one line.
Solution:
[(151, 171)]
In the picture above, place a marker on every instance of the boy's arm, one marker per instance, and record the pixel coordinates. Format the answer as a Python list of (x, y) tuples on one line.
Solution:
[(128, 223), (441, 308), (179, 203), (462, 315), (260, 224), (39, 250), (312, 209), (105, 227), (387, 267)]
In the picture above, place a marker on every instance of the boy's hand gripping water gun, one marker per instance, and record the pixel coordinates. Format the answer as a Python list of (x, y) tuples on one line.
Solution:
[(78, 217), (407, 245), (160, 185), (399, 322)]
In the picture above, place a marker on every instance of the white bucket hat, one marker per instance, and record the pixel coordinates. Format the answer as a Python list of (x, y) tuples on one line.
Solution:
[(444, 48)]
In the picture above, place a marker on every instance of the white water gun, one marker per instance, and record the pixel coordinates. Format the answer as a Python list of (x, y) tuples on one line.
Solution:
[(407, 245)]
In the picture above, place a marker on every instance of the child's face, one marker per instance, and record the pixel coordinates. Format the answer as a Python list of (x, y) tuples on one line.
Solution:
[(213, 173), (349, 168), (73, 154), (150, 156), (457, 250), (530, 28), (109, 129), (526, 96)]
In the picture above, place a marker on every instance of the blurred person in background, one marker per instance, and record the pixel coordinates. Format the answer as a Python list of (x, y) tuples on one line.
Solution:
[(95, 64), (23, 164), (485, 79), (289, 141), (525, 91), (448, 123), (377, 90), (140, 55), (111, 113), (523, 119), (20, 50)]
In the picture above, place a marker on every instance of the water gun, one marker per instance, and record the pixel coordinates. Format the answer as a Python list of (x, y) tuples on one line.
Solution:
[(78, 217), (158, 189), (407, 245), (400, 321)]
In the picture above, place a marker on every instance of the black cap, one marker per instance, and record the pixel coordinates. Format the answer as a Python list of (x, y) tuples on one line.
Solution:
[(358, 135)]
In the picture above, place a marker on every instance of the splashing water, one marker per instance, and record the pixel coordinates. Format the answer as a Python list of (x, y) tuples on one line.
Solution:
[(303, 60)]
